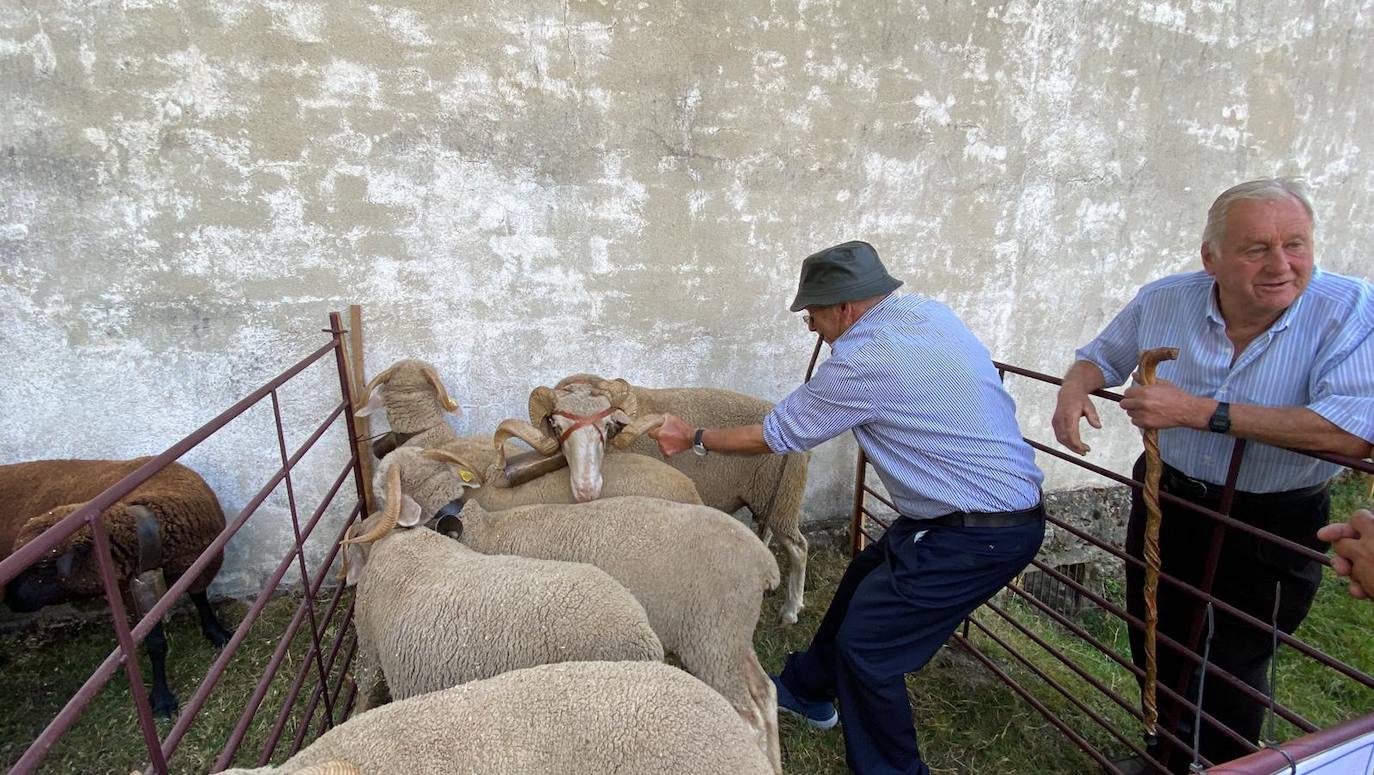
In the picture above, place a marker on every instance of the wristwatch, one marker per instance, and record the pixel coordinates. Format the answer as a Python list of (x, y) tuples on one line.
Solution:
[(1221, 418), (697, 446)]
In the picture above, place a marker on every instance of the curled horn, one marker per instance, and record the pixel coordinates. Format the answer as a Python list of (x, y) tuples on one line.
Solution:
[(634, 430), (578, 379), (546, 444), (444, 456), (331, 767), (381, 378), (542, 400), (433, 377), (618, 391), (391, 514), (343, 551)]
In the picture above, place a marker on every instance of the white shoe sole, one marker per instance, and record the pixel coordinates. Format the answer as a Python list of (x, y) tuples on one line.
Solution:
[(821, 725)]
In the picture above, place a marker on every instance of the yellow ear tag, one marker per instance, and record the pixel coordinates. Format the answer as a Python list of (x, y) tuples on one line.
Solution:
[(467, 477)]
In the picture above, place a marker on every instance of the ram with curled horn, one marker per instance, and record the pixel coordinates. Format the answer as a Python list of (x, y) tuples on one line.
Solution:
[(579, 420), (415, 401)]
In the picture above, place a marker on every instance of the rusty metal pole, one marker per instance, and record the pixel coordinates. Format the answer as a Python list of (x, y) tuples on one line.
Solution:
[(1154, 468)]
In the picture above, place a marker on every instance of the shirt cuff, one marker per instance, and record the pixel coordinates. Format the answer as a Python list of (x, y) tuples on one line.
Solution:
[(1111, 376), (773, 436)]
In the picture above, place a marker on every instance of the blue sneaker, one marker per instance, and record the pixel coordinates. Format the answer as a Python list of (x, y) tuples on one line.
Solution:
[(820, 715)]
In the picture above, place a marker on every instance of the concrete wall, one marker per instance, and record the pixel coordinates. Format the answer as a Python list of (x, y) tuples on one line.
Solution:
[(516, 191)]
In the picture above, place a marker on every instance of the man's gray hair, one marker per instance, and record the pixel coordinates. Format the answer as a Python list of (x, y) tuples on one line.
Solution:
[(1265, 189)]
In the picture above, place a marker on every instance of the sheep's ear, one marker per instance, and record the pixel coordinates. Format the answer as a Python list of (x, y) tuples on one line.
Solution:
[(619, 417), (355, 559), (410, 512), (374, 403)]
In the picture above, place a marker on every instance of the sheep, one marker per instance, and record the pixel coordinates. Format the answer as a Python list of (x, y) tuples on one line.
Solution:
[(636, 718), (437, 477), (699, 573), (770, 486), (415, 402), (579, 419), (166, 523), (431, 613)]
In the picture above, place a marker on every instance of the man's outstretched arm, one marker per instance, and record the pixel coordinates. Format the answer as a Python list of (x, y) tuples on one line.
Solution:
[(675, 436)]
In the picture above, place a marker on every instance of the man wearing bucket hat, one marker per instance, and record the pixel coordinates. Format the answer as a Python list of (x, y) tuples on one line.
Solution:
[(922, 398)]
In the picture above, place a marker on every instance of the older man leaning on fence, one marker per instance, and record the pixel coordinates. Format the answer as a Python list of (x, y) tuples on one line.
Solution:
[(1274, 351)]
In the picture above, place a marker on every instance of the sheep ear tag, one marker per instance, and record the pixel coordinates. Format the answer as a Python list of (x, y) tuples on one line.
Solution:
[(410, 512), (468, 478)]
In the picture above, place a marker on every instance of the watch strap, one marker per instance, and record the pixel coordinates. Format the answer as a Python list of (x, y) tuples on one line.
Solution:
[(698, 445), (1221, 418)]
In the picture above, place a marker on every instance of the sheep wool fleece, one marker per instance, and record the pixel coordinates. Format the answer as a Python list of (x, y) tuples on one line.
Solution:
[(186, 508), (432, 613), (632, 718)]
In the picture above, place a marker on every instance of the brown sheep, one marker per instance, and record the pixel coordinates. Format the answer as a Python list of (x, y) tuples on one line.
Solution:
[(186, 513)]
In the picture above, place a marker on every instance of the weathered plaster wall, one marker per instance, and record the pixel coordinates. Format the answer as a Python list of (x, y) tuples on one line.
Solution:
[(516, 191)]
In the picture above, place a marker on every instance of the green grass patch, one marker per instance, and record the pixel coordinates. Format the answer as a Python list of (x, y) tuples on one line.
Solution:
[(45, 665)]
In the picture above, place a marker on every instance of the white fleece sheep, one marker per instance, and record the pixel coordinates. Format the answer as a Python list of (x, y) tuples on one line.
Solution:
[(415, 402), (698, 572), (579, 419), (770, 486), (574, 718), (470, 466), (431, 613)]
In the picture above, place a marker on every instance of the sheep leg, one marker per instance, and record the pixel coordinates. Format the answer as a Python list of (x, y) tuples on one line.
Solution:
[(794, 543), (209, 624), (765, 698), (734, 677), (367, 676), (762, 530), (164, 702)]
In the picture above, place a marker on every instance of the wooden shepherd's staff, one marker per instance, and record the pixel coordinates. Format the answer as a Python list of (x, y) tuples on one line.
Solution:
[(1154, 467)]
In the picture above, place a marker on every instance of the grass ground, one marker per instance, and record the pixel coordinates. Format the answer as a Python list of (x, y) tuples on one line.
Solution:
[(969, 721)]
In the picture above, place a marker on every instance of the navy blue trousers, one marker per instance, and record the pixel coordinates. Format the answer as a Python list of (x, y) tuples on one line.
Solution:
[(898, 602)]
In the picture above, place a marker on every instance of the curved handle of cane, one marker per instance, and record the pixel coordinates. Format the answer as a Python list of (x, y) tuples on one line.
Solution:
[(1150, 359), (1154, 468)]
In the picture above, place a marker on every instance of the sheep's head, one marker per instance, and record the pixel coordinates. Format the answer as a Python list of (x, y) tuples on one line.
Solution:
[(579, 418), (448, 519), (70, 569), (401, 511), (411, 393)]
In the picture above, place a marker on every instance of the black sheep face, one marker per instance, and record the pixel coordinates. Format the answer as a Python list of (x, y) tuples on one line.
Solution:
[(66, 572)]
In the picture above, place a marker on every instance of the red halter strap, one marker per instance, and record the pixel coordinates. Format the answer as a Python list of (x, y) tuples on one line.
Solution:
[(580, 421)]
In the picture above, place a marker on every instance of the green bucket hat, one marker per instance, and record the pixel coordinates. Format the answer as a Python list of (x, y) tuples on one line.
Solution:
[(845, 272)]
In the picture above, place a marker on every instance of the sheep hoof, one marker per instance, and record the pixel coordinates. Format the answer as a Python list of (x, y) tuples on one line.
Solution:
[(164, 704), (216, 634), (790, 617)]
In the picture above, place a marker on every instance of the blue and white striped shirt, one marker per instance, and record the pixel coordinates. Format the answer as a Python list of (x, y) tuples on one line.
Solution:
[(1318, 354), (923, 399)]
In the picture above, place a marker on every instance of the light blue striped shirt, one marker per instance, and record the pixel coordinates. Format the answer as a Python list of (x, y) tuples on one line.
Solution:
[(924, 401), (1318, 354)]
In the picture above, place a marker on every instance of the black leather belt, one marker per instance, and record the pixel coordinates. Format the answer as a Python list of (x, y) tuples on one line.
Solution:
[(1178, 483), (987, 518)]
